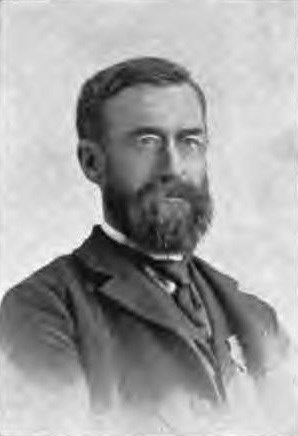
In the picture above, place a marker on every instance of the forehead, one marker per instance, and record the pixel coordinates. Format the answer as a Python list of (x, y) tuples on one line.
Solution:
[(166, 107)]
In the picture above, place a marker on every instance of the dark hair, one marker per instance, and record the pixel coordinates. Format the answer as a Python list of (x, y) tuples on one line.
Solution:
[(108, 82)]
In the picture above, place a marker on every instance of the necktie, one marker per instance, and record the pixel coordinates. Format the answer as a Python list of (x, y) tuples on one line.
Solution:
[(185, 295)]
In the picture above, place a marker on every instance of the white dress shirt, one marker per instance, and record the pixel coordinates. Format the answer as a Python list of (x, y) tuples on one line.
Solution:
[(168, 285)]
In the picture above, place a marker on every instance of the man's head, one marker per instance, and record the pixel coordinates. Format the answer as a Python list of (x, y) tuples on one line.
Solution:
[(142, 138)]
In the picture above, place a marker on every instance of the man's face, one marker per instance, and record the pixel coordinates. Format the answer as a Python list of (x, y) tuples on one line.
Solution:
[(156, 187)]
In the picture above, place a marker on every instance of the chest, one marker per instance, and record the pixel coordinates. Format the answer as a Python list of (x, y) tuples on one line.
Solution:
[(126, 358)]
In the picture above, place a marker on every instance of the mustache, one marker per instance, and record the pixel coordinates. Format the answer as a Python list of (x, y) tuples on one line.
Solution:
[(174, 187)]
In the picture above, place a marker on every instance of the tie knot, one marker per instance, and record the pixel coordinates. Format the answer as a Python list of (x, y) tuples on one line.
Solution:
[(176, 271)]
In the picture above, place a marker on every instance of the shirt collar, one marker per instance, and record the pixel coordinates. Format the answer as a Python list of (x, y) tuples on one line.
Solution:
[(122, 239)]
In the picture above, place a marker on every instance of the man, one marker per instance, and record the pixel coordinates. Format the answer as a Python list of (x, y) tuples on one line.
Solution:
[(132, 322)]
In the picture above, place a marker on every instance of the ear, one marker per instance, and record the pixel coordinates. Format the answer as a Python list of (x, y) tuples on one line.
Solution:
[(92, 159)]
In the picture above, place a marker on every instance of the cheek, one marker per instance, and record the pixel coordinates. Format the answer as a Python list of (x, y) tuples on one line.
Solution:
[(129, 172), (194, 171)]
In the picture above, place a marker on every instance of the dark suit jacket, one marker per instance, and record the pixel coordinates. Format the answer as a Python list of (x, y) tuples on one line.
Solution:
[(93, 315)]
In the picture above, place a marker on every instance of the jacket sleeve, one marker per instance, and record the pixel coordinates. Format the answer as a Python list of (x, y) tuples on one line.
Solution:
[(43, 390)]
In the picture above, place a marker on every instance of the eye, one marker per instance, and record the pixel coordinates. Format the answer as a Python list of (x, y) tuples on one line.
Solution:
[(149, 141), (194, 142)]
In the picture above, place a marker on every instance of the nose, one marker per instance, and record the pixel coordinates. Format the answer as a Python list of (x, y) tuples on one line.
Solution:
[(170, 162)]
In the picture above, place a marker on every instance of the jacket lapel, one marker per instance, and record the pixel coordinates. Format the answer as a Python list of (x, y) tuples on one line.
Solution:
[(251, 320), (218, 319), (130, 287)]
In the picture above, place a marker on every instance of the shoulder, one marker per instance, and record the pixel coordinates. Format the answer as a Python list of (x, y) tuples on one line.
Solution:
[(58, 291), (48, 280), (36, 298), (45, 297), (214, 275), (253, 320), (56, 278), (231, 292)]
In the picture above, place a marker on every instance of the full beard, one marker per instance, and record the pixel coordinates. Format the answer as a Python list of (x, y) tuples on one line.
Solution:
[(162, 217)]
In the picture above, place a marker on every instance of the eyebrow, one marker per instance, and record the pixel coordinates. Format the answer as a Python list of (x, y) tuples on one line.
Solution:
[(146, 130), (196, 131), (149, 130)]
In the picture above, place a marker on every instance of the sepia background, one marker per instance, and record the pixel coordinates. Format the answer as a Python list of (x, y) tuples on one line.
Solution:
[(242, 53)]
